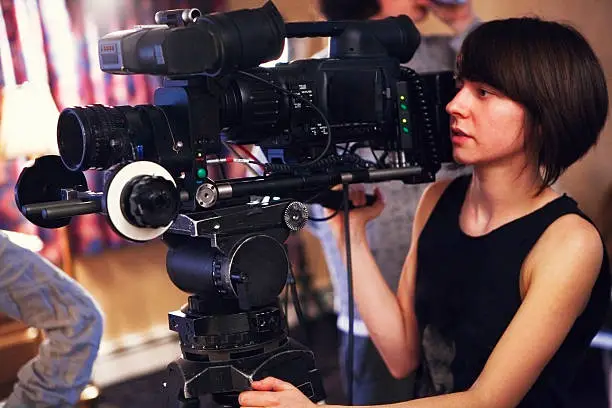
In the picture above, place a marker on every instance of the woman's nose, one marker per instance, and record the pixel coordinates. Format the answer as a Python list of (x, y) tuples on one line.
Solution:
[(458, 105)]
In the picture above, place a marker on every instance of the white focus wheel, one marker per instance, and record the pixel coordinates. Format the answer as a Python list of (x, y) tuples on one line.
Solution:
[(114, 192)]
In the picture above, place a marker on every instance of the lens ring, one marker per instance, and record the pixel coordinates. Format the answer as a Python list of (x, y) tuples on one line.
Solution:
[(71, 138), (94, 136), (102, 132)]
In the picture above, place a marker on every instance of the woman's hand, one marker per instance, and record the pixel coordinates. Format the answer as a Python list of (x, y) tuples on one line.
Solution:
[(358, 217), (272, 392)]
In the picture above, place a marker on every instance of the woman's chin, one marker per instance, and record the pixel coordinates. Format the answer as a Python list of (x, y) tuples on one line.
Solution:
[(461, 159)]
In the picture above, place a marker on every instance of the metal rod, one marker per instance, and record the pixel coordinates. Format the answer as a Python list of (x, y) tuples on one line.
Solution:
[(71, 209), (228, 189), (36, 210)]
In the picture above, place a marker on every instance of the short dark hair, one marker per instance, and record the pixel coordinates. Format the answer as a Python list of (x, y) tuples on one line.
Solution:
[(551, 70), (349, 9)]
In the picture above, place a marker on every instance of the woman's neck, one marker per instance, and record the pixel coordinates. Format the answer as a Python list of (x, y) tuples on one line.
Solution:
[(499, 194)]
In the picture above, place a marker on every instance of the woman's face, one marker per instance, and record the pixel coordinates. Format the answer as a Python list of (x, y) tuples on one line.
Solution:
[(486, 126)]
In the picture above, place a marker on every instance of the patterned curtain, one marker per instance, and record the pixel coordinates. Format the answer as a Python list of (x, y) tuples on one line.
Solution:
[(55, 41)]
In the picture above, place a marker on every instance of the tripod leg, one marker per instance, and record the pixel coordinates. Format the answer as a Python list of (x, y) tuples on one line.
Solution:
[(174, 397), (189, 403)]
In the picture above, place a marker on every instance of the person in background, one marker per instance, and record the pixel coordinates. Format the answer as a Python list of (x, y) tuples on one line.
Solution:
[(37, 293), (388, 235)]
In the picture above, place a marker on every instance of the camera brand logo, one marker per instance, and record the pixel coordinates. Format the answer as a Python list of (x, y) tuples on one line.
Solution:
[(110, 55), (108, 48)]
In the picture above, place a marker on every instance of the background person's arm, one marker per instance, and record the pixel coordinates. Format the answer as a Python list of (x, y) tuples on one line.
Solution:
[(41, 295)]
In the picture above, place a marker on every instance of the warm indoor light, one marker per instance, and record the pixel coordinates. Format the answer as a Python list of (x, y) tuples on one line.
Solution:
[(28, 121), (27, 241)]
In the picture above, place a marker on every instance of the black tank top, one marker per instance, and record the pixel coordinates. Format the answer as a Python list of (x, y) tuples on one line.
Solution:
[(467, 292)]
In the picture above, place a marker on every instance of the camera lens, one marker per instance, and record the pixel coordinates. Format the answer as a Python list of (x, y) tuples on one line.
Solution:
[(88, 137), (97, 136), (71, 139)]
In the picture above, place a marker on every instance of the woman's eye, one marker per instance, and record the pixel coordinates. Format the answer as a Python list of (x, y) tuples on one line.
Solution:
[(483, 92)]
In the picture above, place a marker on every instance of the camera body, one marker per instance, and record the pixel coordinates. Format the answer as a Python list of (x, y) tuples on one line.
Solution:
[(297, 113)]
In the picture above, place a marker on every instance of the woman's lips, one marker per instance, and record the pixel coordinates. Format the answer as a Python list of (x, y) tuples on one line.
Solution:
[(458, 136)]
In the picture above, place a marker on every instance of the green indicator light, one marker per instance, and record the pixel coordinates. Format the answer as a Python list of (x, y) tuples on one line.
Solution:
[(404, 120), (202, 173), (405, 129), (403, 106), (402, 97)]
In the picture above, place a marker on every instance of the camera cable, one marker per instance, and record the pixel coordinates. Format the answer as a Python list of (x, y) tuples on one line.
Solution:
[(328, 144), (351, 311)]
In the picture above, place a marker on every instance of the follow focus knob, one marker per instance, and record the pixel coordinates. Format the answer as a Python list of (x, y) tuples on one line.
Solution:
[(153, 202)]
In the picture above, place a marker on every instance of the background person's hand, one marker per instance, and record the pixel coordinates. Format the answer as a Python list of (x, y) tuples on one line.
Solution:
[(272, 392), (457, 16)]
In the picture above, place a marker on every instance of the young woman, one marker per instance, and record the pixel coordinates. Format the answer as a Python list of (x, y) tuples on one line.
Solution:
[(506, 282)]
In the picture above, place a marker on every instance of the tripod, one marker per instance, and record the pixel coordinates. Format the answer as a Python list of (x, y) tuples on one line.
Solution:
[(233, 330), (231, 258)]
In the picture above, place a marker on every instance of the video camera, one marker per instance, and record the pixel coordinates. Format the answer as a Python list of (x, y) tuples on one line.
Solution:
[(310, 118)]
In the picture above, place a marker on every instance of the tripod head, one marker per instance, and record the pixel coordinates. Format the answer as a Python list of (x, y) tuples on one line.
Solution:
[(233, 330)]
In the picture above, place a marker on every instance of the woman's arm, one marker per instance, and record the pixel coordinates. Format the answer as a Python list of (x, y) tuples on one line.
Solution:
[(560, 272), (389, 317)]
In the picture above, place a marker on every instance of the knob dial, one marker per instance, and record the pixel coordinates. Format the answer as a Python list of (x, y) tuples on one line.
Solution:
[(296, 216), (152, 201)]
